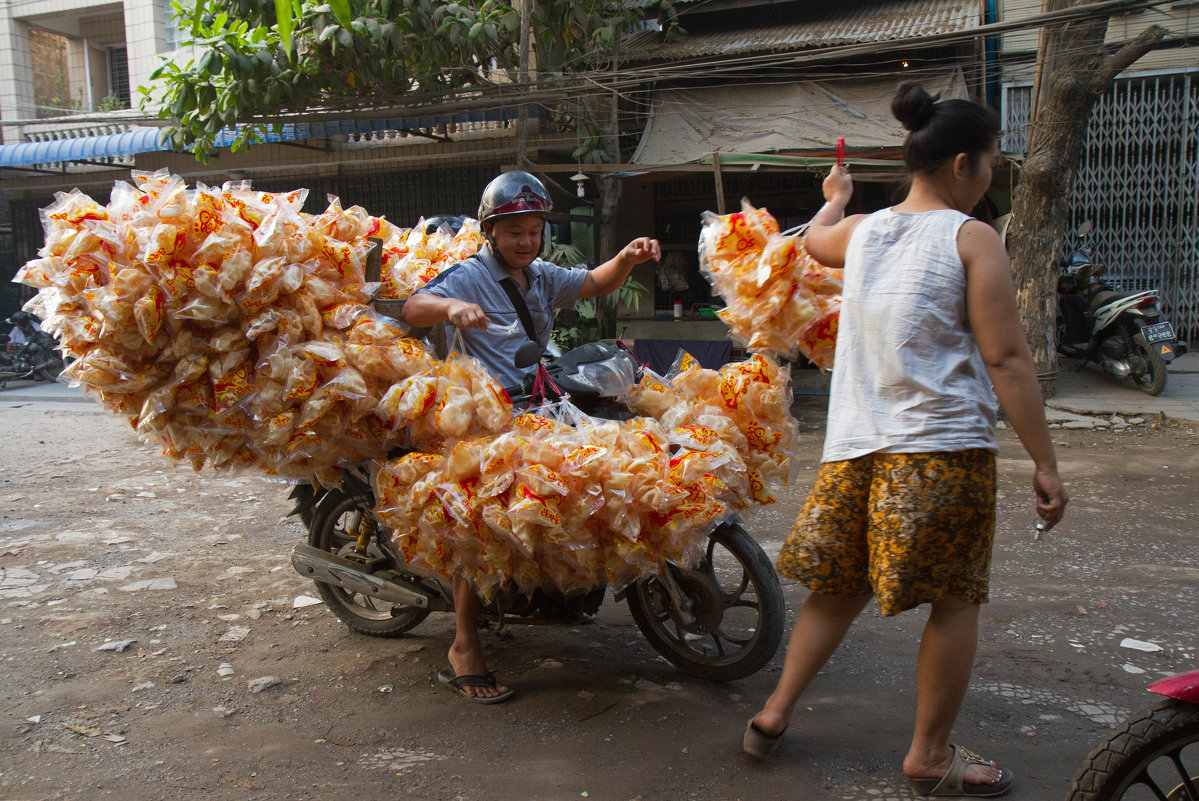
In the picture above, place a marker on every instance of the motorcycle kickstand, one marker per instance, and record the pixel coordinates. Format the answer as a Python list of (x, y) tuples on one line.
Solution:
[(678, 598)]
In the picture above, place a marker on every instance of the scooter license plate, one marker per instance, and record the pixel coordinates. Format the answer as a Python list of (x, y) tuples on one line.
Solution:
[(1158, 332)]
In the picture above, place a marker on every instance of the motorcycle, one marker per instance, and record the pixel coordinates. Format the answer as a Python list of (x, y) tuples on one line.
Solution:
[(721, 619), (34, 359), (1123, 332), (1153, 755)]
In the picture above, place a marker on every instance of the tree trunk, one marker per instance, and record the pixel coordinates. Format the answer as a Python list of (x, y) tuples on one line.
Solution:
[(609, 189), (605, 309), (1041, 202)]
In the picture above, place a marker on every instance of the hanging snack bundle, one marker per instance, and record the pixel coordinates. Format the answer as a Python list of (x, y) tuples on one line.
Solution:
[(412, 257), (561, 499), (778, 299), (231, 328), (741, 412)]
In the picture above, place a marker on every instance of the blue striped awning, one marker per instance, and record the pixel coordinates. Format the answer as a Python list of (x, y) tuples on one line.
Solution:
[(149, 140)]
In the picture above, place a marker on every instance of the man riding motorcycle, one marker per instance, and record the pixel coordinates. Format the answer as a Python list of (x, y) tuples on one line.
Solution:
[(497, 300)]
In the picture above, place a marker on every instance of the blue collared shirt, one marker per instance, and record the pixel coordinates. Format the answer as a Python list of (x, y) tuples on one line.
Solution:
[(476, 280)]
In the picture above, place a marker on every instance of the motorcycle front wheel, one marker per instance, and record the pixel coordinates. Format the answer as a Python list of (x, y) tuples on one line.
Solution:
[(1154, 756), (1153, 380), (334, 529), (736, 612)]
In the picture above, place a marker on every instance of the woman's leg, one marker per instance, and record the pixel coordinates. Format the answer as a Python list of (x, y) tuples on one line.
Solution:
[(822, 623), (942, 675)]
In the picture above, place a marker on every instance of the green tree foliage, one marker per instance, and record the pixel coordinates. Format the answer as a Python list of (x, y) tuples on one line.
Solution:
[(258, 58)]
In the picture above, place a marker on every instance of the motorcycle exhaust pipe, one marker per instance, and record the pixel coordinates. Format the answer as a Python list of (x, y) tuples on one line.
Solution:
[(1118, 367), (329, 568)]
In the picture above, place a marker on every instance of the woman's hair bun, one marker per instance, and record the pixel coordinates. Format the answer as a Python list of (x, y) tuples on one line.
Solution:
[(912, 106)]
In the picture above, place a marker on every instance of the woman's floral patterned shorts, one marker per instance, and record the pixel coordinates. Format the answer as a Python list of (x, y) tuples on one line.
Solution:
[(908, 527)]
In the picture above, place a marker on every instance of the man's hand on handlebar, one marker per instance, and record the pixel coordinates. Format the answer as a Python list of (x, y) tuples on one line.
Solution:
[(463, 315)]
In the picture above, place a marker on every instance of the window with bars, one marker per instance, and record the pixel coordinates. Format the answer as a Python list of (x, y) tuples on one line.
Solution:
[(118, 74)]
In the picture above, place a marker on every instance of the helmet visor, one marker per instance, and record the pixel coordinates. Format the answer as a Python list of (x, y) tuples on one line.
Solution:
[(524, 202)]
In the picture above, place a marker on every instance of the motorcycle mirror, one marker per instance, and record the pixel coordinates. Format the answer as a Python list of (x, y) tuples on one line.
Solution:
[(527, 354), (1085, 228)]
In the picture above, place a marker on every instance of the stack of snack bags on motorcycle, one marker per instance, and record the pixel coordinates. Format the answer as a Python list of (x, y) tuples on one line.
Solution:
[(412, 257), (230, 328), (560, 499), (572, 501), (778, 298), (741, 413)]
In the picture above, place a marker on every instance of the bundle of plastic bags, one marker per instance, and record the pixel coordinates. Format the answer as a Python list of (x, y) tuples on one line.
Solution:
[(560, 499), (571, 501), (740, 413), (412, 256), (231, 329), (778, 299)]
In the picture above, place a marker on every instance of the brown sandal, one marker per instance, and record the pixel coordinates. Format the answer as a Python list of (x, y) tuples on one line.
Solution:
[(952, 784)]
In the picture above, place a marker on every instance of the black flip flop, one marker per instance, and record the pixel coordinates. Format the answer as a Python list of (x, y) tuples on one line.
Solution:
[(459, 684)]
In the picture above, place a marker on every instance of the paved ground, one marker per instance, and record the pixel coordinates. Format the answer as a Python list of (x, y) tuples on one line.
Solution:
[(102, 542)]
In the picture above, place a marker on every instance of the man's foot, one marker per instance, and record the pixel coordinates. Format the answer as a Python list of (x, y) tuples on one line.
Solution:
[(470, 663), (461, 684)]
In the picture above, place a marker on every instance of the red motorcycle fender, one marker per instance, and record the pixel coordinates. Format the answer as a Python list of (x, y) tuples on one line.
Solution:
[(1183, 686)]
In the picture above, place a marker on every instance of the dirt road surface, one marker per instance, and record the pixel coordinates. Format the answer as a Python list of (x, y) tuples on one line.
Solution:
[(155, 645)]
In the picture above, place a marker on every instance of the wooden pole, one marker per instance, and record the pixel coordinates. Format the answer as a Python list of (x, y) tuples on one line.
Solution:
[(522, 116), (719, 183)]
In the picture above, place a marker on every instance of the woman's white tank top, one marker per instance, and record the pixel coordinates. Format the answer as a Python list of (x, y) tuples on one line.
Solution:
[(907, 375)]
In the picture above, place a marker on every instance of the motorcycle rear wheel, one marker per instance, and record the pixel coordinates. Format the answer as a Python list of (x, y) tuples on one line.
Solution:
[(50, 371), (1154, 756), (335, 516), (1153, 381), (737, 604)]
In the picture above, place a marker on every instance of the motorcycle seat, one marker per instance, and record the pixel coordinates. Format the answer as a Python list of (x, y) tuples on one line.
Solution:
[(1106, 297)]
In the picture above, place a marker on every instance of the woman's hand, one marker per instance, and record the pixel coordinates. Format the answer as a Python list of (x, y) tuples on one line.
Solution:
[(1051, 496), (838, 186)]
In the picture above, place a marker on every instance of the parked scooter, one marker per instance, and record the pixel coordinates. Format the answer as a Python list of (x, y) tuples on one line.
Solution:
[(34, 359), (1153, 755), (1123, 332), (721, 619)]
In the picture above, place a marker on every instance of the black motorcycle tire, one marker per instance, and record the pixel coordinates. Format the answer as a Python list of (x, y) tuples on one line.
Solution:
[(1124, 760), (50, 371), (366, 617), (1154, 379), (651, 611)]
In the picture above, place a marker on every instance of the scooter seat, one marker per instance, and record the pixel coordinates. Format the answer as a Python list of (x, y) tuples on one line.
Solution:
[(1106, 297)]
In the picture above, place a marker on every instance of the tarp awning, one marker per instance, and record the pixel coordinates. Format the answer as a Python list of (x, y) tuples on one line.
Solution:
[(688, 125), (148, 140)]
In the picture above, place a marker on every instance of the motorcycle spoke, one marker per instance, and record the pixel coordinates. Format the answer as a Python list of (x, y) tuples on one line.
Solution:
[(739, 641), (1148, 781), (742, 603), (1184, 774)]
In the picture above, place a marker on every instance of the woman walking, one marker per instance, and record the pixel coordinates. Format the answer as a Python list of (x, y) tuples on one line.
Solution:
[(903, 509)]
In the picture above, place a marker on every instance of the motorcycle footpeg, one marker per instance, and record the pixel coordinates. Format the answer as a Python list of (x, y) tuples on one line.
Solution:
[(329, 568)]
